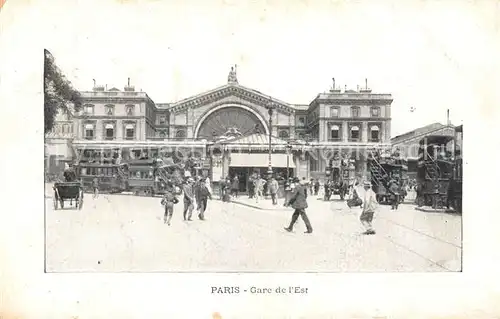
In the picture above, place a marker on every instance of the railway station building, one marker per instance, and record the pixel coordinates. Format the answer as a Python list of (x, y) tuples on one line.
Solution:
[(227, 129)]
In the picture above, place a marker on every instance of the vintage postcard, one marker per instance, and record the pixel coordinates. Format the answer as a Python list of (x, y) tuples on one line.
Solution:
[(256, 146)]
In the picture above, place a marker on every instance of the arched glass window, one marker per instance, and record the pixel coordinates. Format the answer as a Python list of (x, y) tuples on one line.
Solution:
[(334, 132), (374, 133), (162, 134)]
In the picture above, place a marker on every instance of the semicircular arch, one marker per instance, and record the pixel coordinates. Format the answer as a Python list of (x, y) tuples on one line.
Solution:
[(220, 119)]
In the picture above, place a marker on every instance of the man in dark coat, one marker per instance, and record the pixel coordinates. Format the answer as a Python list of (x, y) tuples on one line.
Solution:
[(298, 201), (188, 199), (202, 194)]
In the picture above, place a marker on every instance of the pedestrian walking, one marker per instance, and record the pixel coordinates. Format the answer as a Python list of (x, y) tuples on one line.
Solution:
[(273, 190), (235, 186), (189, 199), (394, 190), (369, 206), (95, 187), (354, 198), (202, 194), (169, 200), (298, 201)]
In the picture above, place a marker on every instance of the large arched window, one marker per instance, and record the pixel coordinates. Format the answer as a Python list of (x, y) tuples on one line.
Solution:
[(235, 119)]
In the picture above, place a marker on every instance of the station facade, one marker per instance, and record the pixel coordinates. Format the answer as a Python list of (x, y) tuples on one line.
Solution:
[(227, 129)]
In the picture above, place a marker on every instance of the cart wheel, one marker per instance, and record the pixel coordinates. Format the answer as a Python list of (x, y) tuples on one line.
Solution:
[(80, 203), (76, 203), (61, 201), (55, 203)]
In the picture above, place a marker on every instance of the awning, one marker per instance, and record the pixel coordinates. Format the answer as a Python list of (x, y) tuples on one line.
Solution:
[(89, 126), (374, 128), (129, 127), (260, 160), (354, 128), (109, 126), (334, 128)]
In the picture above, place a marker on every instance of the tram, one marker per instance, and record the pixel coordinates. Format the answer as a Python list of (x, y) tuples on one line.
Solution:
[(384, 167), (113, 178), (435, 168)]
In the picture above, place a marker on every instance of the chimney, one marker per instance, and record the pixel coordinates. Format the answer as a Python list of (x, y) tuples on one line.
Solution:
[(448, 117), (357, 88), (333, 87), (106, 87), (94, 81), (128, 82), (366, 89)]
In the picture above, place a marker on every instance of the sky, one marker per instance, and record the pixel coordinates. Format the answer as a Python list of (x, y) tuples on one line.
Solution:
[(427, 54)]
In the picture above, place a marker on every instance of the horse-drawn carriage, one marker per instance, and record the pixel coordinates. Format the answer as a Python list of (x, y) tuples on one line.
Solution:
[(339, 173), (70, 190)]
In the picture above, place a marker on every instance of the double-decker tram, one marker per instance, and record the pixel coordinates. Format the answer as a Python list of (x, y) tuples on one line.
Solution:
[(435, 170)]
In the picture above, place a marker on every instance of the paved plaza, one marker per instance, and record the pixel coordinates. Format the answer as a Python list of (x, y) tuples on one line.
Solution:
[(125, 233)]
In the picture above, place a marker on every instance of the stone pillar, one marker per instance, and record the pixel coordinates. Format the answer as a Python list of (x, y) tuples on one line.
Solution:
[(364, 132), (382, 132), (345, 132)]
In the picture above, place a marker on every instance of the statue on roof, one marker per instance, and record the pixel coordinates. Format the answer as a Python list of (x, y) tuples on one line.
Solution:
[(231, 78)]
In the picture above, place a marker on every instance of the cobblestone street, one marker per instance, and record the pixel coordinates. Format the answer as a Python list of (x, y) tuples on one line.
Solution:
[(124, 233)]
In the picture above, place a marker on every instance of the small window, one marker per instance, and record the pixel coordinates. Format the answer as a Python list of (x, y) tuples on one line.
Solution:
[(374, 133), (88, 109), (354, 132), (180, 134), (110, 131), (162, 134), (375, 111), (334, 111), (283, 134), (110, 110), (129, 132), (163, 120), (302, 121), (89, 131), (355, 112), (335, 132), (130, 110)]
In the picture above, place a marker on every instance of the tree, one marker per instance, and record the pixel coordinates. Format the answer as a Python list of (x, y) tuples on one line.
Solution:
[(59, 94)]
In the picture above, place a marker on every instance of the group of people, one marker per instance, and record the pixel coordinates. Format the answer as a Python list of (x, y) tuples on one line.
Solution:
[(195, 192), (366, 199)]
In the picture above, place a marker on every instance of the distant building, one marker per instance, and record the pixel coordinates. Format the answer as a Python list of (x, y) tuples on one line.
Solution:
[(228, 128)]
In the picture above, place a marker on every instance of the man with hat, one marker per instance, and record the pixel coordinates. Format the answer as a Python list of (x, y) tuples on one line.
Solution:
[(188, 199), (394, 190), (169, 200), (298, 201), (369, 206)]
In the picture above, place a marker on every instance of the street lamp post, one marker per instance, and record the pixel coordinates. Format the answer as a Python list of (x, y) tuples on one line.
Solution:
[(270, 110), (288, 149)]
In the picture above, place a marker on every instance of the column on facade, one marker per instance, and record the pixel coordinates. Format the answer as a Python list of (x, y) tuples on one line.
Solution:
[(291, 124), (119, 130), (345, 131), (388, 131), (382, 132), (364, 132), (190, 123)]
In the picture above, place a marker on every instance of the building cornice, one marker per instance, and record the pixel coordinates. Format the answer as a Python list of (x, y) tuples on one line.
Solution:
[(235, 90)]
